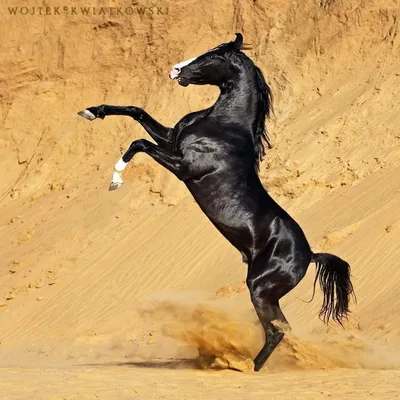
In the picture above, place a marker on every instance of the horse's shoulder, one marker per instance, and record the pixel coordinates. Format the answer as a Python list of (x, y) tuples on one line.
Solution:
[(189, 119), (186, 124)]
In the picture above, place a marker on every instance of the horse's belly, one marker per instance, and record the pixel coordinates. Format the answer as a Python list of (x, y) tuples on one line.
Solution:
[(230, 214)]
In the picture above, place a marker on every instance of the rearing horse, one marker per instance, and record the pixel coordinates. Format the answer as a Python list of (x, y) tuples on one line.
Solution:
[(216, 153)]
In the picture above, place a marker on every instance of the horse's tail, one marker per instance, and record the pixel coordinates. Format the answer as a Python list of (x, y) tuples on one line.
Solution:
[(334, 279)]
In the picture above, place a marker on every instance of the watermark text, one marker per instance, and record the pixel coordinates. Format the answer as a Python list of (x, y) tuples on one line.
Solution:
[(89, 11)]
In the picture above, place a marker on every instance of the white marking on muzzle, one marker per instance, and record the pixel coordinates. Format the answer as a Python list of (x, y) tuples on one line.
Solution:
[(176, 69)]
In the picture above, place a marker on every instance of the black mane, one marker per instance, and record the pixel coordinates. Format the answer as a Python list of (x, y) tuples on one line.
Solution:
[(264, 110)]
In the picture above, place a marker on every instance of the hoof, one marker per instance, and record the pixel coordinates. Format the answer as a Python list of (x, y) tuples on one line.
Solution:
[(114, 186), (257, 367), (87, 115)]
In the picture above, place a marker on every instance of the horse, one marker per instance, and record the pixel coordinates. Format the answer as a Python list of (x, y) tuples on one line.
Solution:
[(216, 152)]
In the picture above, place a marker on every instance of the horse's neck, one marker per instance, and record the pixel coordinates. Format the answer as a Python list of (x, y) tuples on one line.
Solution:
[(238, 102)]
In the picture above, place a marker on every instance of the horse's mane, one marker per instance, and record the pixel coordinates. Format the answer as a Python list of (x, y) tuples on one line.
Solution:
[(264, 110), (264, 99)]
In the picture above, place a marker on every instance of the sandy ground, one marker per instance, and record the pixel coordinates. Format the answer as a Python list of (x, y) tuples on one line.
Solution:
[(115, 295), (127, 382)]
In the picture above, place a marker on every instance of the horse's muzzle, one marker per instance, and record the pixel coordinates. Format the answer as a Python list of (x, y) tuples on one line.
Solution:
[(174, 73), (183, 81)]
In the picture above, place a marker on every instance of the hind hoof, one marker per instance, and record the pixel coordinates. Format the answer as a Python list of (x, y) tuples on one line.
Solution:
[(87, 115), (257, 367), (114, 186)]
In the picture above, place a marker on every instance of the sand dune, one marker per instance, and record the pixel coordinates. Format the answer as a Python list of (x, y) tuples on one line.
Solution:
[(132, 294)]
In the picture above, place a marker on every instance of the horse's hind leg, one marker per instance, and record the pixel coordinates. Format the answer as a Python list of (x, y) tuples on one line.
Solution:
[(266, 288), (267, 313)]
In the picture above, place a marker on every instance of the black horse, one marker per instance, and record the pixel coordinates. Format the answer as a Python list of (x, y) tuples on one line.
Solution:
[(216, 152)]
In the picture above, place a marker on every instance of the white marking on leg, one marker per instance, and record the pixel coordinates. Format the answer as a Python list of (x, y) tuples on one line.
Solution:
[(117, 181), (120, 165), (116, 178), (176, 69)]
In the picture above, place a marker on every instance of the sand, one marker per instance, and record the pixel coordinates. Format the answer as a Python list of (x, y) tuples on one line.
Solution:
[(131, 294)]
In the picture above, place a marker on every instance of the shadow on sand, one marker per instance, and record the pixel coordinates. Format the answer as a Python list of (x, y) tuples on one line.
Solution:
[(181, 363)]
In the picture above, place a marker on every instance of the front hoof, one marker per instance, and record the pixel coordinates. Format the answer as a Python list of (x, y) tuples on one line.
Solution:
[(114, 186), (87, 115)]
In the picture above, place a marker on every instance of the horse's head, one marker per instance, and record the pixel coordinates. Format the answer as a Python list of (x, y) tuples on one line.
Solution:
[(223, 66), (213, 67)]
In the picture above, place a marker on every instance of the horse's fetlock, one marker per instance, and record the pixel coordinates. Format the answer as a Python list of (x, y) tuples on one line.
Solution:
[(101, 111)]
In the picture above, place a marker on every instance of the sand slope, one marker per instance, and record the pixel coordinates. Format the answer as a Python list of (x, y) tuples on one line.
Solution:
[(110, 295)]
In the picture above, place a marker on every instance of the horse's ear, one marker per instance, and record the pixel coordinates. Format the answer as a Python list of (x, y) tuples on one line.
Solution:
[(237, 44)]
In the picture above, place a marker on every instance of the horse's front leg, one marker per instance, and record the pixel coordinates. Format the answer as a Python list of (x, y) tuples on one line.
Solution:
[(166, 158), (161, 134)]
